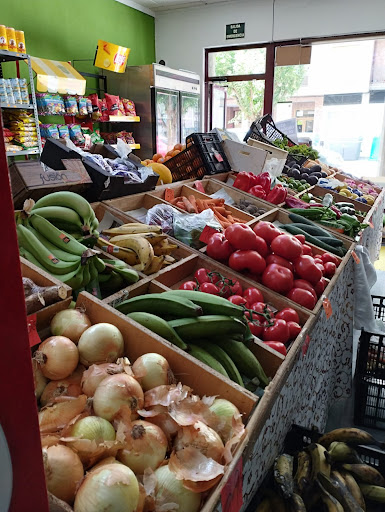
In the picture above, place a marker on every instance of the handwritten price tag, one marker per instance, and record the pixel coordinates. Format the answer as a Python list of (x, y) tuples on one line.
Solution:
[(327, 307), (198, 185), (206, 234), (355, 257), (232, 495), (34, 338), (169, 195)]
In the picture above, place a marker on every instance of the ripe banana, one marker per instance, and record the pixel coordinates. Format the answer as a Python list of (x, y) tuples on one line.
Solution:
[(60, 213), (283, 475), (203, 356), (277, 503), (153, 238), (168, 260), (126, 255), (207, 326), (353, 488), (319, 463), (141, 248), (373, 492), (28, 240), (160, 304), (159, 326), (164, 248), (156, 265), (222, 357), (59, 253), (331, 503), (365, 473), (210, 304), (265, 506), (352, 436), (57, 237), (341, 452), (297, 504), (303, 474), (69, 200), (133, 228), (340, 493)]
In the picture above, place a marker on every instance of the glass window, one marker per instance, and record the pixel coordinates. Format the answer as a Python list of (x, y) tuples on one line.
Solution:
[(237, 62)]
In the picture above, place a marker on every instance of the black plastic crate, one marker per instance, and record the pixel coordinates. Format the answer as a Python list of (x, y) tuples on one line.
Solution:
[(379, 307), (203, 155), (369, 403), (264, 130)]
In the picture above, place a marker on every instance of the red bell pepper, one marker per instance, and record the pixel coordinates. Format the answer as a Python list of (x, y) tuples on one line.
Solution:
[(277, 195), (264, 181), (258, 191), (243, 181)]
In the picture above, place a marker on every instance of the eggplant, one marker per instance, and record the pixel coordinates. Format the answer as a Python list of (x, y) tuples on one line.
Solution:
[(316, 168), (312, 180)]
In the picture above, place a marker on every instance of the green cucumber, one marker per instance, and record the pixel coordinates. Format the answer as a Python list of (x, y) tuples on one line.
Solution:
[(302, 220), (335, 242), (312, 230), (311, 239)]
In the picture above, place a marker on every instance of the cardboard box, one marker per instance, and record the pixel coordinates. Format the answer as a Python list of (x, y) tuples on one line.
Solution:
[(280, 155), (33, 180), (243, 157)]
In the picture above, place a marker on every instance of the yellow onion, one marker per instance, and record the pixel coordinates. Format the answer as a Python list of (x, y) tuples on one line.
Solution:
[(58, 357), (161, 418), (115, 393), (146, 447), (201, 437), (152, 370), (93, 428), (39, 380), (64, 387), (57, 416), (94, 375), (111, 487), (104, 462), (225, 414), (63, 471), (100, 343), (170, 490), (70, 323)]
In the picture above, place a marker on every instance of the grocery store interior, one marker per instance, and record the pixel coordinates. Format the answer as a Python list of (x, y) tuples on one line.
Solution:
[(193, 212)]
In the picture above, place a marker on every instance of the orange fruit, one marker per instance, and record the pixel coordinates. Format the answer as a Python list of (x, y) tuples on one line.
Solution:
[(160, 160), (166, 158), (169, 153), (176, 152), (178, 147), (156, 157)]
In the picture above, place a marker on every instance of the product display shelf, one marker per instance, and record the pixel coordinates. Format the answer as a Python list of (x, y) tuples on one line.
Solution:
[(6, 56), (21, 106)]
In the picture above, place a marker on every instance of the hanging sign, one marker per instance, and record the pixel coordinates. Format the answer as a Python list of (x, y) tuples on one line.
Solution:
[(235, 31), (111, 56)]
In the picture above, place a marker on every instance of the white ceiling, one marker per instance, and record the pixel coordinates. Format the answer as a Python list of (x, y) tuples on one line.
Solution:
[(163, 5)]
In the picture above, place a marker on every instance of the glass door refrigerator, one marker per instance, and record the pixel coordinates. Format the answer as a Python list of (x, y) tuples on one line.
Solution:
[(167, 101)]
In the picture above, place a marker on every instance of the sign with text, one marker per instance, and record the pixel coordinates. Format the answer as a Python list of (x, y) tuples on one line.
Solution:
[(111, 57), (235, 31)]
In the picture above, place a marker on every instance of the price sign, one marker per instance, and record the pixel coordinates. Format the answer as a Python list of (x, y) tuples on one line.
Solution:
[(327, 307), (34, 338), (207, 233)]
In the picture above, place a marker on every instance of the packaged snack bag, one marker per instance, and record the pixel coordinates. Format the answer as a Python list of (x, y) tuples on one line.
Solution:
[(63, 131), (51, 130), (112, 104), (82, 106), (71, 105), (89, 106), (129, 107), (121, 108), (103, 110), (76, 134), (9, 90), (95, 102), (58, 105)]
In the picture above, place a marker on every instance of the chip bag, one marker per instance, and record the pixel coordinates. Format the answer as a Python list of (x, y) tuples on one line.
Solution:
[(129, 107), (112, 104)]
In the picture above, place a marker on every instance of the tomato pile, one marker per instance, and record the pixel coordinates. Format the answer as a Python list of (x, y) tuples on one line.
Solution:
[(282, 262), (275, 328)]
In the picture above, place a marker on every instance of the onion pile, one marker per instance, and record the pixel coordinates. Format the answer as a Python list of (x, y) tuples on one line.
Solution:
[(122, 437)]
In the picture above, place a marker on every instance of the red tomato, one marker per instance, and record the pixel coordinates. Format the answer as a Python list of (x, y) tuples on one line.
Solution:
[(247, 260), (330, 257), (302, 297), (209, 288), (330, 269), (236, 288), (267, 231), (261, 309), (306, 249), (274, 258), (307, 269), (253, 295), (288, 314), (278, 278), (294, 329), (261, 246), (277, 345), (241, 237), (238, 300), (201, 275), (219, 248), (277, 332), (301, 238), (256, 323), (320, 286), (189, 285), (320, 266), (305, 285), (287, 246)]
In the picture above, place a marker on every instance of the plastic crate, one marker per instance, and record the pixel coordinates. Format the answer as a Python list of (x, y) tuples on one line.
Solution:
[(379, 307), (203, 155)]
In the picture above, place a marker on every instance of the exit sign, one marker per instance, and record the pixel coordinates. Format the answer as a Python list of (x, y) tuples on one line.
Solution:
[(235, 31)]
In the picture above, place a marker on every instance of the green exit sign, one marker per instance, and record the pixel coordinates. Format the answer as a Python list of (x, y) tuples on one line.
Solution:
[(235, 31)]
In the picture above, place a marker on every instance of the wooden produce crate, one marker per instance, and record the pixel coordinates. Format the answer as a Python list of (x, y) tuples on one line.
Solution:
[(318, 191), (186, 191), (177, 184), (340, 176), (211, 186), (130, 203), (173, 278), (43, 278)]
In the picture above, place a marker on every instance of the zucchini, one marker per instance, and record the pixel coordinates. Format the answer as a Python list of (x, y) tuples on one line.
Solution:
[(302, 220), (334, 242), (295, 217), (245, 360), (312, 230), (224, 359), (312, 239), (206, 358)]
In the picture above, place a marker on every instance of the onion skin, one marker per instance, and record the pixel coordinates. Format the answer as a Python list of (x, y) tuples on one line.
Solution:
[(59, 357), (63, 472), (111, 487), (39, 380), (94, 375), (100, 343), (225, 411), (152, 370), (70, 323), (116, 392), (201, 437), (146, 447), (171, 490)]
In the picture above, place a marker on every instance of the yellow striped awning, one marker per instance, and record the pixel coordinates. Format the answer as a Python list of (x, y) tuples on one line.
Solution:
[(56, 76)]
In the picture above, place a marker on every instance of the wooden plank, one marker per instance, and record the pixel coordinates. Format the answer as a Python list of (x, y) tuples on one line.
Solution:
[(40, 276)]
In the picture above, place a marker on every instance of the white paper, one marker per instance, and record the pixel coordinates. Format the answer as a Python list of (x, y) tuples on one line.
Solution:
[(139, 214), (222, 194)]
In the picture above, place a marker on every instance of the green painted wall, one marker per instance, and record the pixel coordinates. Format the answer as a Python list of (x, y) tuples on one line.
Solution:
[(69, 29)]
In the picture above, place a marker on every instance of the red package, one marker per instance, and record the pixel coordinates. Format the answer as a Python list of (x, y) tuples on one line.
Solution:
[(103, 110), (129, 107), (112, 104), (96, 113), (121, 108)]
